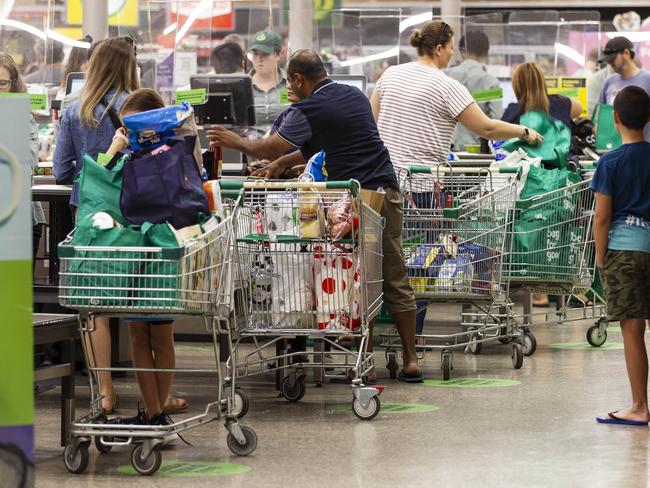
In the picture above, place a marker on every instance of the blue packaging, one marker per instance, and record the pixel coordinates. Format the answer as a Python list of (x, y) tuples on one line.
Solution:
[(151, 129), (316, 167)]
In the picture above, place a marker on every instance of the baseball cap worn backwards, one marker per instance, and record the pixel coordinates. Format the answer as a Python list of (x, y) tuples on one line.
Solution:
[(266, 42), (614, 46)]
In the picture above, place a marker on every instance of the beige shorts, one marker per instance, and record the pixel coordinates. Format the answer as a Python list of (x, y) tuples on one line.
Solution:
[(398, 294)]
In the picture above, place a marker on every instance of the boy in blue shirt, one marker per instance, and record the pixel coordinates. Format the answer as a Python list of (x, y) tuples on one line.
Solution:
[(622, 236)]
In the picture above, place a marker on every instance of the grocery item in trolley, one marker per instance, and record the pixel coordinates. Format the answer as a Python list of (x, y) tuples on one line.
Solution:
[(341, 219), (423, 265), (337, 286), (292, 294), (311, 215), (281, 209), (456, 274), (213, 192)]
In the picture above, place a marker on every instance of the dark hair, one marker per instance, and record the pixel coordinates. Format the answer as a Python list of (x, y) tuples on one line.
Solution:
[(434, 33), (475, 43), (7, 62), (227, 58), (77, 57), (308, 64), (632, 105), (50, 51), (141, 100)]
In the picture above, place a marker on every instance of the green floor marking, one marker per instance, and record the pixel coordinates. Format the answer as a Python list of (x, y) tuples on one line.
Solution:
[(389, 408), (586, 345), (192, 469), (472, 383)]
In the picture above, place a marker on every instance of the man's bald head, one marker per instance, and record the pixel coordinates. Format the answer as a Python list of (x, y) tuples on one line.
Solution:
[(308, 64)]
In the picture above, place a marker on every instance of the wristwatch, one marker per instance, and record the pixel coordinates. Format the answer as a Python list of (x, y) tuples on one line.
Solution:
[(525, 134)]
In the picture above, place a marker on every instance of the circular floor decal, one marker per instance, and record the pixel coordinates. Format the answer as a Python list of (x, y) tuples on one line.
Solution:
[(389, 408), (472, 383), (192, 469), (586, 345)]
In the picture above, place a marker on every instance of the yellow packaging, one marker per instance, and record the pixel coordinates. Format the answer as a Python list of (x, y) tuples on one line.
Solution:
[(311, 216)]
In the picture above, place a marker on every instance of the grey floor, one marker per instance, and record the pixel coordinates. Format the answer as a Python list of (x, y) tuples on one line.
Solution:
[(540, 432)]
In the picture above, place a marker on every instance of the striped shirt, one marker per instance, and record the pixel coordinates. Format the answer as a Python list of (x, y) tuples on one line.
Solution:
[(419, 106)]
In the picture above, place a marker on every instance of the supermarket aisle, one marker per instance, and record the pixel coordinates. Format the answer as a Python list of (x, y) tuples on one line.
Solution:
[(537, 428)]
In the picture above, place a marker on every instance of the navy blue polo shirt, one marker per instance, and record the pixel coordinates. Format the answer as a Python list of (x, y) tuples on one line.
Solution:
[(338, 119)]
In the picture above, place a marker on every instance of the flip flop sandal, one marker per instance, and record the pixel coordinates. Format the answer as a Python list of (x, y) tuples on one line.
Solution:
[(175, 405), (410, 378), (614, 420)]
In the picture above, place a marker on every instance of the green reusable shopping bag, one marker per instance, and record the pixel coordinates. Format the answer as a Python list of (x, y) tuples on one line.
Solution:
[(554, 151), (159, 282), (99, 189), (607, 138), (102, 277), (540, 181)]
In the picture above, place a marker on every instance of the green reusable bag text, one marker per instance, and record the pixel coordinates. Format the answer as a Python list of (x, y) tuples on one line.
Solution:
[(554, 151), (607, 138)]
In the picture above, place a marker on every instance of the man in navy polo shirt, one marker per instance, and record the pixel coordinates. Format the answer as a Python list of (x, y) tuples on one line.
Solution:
[(338, 119)]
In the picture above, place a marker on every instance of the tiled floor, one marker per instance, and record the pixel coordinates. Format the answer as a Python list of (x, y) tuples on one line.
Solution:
[(539, 431)]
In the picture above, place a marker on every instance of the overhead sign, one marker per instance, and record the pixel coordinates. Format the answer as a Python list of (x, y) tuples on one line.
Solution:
[(215, 15), (120, 12)]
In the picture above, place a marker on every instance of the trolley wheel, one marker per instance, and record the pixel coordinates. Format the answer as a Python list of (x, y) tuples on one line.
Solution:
[(241, 403), (475, 347), (446, 366), (148, 466), (517, 356), (391, 364), (103, 448), (76, 459), (368, 413), (249, 445), (530, 344), (294, 390), (596, 338)]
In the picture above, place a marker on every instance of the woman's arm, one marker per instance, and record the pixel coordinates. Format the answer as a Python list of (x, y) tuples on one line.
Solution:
[(602, 221), (475, 120), (576, 108), (375, 104), (64, 155)]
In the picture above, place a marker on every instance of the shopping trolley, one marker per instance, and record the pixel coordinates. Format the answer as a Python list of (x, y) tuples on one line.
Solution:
[(308, 265), (553, 252), (457, 222), (151, 282)]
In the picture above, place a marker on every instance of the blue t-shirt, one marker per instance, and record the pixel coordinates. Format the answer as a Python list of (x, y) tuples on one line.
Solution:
[(614, 84), (624, 175), (337, 118)]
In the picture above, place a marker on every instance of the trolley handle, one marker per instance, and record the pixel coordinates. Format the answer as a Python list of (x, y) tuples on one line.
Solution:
[(428, 170), (351, 185)]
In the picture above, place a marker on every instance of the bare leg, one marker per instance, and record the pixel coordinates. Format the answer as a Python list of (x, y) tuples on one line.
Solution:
[(101, 346), (142, 357), (636, 361), (162, 345), (405, 323)]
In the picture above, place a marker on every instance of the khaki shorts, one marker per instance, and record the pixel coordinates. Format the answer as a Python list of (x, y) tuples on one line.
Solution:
[(626, 282), (398, 294)]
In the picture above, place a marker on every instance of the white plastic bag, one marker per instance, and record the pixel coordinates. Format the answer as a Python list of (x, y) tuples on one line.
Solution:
[(518, 159)]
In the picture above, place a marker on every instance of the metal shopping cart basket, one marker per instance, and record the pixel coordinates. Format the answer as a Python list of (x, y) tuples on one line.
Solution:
[(457, 222), (151, 282), (553, 252), (309, 264)]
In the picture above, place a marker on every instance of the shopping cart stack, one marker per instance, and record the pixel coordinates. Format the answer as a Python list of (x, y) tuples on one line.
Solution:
[(457, 222), (147, 282), (308, 266)]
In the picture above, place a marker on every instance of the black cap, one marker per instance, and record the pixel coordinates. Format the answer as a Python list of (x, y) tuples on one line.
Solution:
[(615, 46)]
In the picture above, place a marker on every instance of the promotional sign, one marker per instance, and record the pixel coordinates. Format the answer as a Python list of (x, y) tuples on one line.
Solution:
[(215, 15), (120, 12), (569, 86), (16, 348)]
